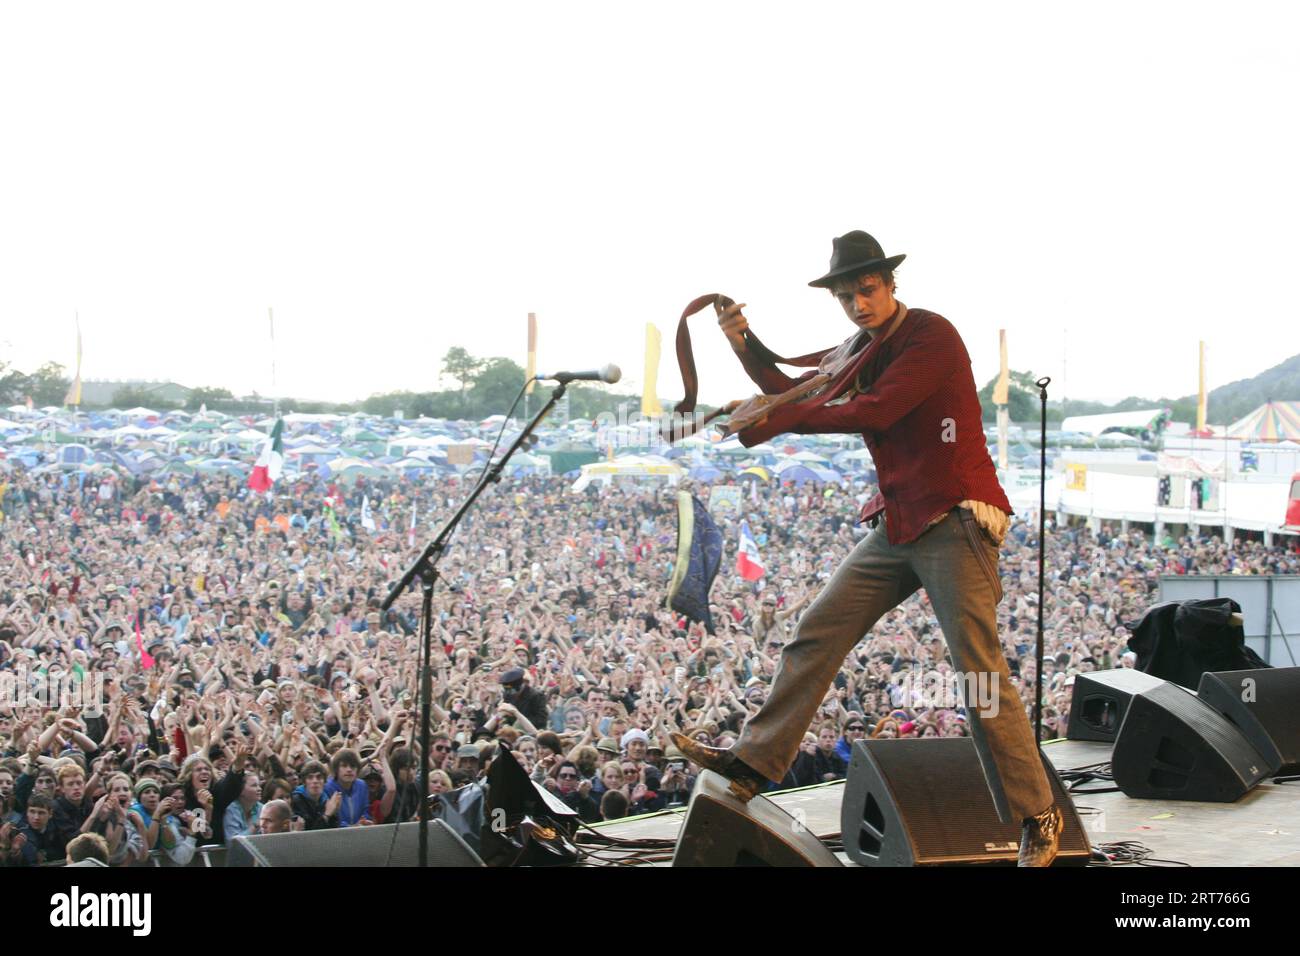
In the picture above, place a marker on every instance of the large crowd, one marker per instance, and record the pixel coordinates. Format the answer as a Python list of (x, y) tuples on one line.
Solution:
[(251, 684)]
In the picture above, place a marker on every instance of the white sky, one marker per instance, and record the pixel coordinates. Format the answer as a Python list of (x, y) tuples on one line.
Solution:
[(1115, 179)]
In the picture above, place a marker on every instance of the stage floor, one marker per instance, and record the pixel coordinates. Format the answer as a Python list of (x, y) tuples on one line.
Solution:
[(1261, 829)]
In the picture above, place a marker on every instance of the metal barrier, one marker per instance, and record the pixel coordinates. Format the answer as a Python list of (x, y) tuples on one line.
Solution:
[(212, 856)]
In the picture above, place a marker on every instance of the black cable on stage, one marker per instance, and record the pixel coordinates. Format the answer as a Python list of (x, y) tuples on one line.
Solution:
[(1132, 853), (647, 850), (1074, 778)]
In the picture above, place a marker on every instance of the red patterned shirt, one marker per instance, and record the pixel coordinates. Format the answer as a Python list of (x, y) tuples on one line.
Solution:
[(916, 407)]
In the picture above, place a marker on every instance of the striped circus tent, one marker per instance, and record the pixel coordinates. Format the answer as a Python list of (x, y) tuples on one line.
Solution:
[(1272, 421)]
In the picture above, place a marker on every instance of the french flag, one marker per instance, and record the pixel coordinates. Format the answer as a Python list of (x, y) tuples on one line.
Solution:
[(748, 563)]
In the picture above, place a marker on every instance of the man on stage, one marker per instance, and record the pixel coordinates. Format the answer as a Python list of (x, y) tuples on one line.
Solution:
[(912, 396)]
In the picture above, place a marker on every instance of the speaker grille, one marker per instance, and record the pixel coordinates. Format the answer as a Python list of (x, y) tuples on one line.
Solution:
[(1174, 746), (940, 809), (1100, 700), (353, 846), (719, 830), (1265, 706)]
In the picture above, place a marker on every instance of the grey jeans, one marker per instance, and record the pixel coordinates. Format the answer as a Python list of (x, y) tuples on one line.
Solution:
[(956, 562)]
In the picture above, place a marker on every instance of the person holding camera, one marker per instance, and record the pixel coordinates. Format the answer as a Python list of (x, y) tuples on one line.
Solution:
[(676, 781)]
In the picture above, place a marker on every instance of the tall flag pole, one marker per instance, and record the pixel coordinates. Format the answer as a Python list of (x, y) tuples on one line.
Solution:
[(73, 397), (1000, 399), (650, 405), (410, 534)]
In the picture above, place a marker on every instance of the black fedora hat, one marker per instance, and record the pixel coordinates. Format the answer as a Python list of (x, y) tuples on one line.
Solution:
[(853, 253)]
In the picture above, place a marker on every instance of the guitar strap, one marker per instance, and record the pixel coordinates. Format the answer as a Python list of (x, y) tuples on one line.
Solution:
[(840, 365)]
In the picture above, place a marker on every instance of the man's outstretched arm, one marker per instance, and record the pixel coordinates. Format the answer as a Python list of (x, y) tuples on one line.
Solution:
[(923, 368), (770, 379)]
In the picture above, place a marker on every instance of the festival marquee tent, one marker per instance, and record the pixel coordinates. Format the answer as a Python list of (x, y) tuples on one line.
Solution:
[(1272, 421), (1144, 420), (628, 466)]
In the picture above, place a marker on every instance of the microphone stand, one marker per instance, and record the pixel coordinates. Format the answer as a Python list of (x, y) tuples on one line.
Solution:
[(1042, 384), (425, 570)]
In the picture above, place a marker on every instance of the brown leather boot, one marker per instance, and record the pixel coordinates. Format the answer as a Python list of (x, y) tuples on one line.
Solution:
[(746, 782), (1040, 837)]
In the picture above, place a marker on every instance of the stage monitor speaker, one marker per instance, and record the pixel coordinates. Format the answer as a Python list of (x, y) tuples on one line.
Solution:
[(354, 847), (927, 803), (1175, 746), (1100, 699), (720, 830), (1264, 705)]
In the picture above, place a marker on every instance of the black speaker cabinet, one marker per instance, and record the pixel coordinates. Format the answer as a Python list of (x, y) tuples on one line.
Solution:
[(1175, 746), (353, 846), (927, 803), (1100, 699), (1264, 705), (720, 830)]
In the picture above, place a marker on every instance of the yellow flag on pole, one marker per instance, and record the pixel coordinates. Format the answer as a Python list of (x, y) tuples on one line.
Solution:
[(649, 395), (532, 351)]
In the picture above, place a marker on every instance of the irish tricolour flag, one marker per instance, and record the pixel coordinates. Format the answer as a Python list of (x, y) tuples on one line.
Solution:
[(748, 564), (270, 460)]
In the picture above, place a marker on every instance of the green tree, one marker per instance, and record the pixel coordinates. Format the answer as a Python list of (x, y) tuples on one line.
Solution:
[(132, 396), (210, 396), (13, 385), (588, 401), (439, 405), (384, 405), (463, 367), (48, 385), (1022, 398), (495, 387)]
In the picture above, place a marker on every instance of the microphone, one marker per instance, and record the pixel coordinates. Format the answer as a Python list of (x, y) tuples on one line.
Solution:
[(609, 375)]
